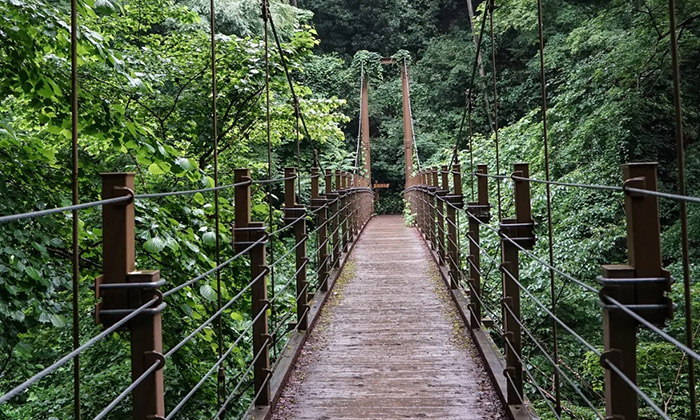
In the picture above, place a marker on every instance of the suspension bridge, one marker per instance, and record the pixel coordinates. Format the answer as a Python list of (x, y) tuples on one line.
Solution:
[(388, 318)]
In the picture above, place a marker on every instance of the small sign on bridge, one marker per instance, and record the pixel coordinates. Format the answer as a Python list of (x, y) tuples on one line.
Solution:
[(377, 186)]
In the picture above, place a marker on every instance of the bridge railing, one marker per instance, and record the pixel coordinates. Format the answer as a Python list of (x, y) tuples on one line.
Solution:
[(131, 299), (630, 296)]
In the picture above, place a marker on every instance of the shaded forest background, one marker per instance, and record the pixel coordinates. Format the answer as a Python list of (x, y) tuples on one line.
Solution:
[(610, 95), (145, 107)]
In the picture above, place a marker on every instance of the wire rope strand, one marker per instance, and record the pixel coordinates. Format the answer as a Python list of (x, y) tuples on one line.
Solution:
[(215, 269), (636, 389), (471, 87), (682, 347), (685, 251), (550, 229), (267, 21), (39, 213), (70, 356), (359, 123), (206, 376), (410, 115), (554, 364), (216, 315), (75, 234), (495, 108), (245, 375), (221, 377), (125, 393)]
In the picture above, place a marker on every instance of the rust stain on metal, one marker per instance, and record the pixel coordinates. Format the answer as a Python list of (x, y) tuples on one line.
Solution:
[(389, 344)]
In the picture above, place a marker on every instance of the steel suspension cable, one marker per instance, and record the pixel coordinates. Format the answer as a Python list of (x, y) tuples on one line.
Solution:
[(547, 175), (206, 376), (290, 82), (70, 356), (75, 281), (128, 390), (71, 208), (245, 375), (554, 364), (495, 109), (537, 386), (471, 143), (359, 124), (636, 389), (471, 88), (221, 377), (410, 115), (267, 20), (215, 269), (685, 349), (189, 192), (522, 287), (216, 315), (680, 158), (539, 260), (296, 130)]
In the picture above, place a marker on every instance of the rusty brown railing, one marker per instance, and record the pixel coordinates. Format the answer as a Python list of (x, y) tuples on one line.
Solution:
[(631, 296), (130, 299)]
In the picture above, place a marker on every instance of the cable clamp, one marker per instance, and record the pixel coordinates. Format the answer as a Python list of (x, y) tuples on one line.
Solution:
[(612, 356), (128, 192), (151, 357)]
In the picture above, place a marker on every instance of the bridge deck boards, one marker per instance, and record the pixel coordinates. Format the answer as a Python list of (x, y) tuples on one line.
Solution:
[(389, 344)]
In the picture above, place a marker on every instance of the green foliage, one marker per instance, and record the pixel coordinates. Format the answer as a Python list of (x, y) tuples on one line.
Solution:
[(609, 94), (369, 63), (145, 107)]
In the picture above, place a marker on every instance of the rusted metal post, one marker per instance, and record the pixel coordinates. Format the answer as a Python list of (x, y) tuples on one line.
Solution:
[(407, 124), (423, 204), (478, 211), (333, 197), (455, 201), (443, 190), (295, 213), (123, 289), (353, 206), (345, 214), (245, 234), (318, 205), (432, 196), (641, 286), (520, 230), (419, 201)]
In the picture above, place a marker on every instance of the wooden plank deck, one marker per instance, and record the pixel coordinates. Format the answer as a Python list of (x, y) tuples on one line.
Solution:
[(389, 344)]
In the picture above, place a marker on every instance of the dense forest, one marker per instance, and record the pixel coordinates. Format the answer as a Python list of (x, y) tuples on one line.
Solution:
[(145, 107), (608, 70)]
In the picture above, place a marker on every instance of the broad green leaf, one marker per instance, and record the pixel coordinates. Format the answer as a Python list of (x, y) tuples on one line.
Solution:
[(155, 169), (209, 238), (208, 293), (154, 245), (32, 272)]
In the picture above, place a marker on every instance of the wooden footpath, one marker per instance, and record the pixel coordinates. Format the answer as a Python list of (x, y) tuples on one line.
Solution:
[(389, 344)]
